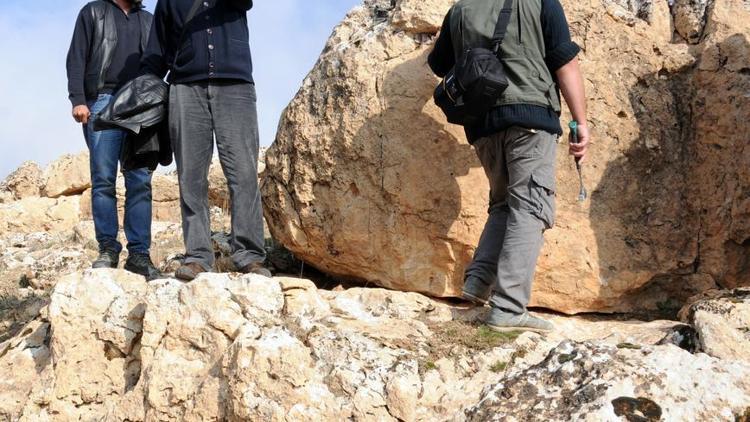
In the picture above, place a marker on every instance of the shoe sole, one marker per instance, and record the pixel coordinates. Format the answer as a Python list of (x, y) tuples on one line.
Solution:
[(184, 277), (512, 329), (473, 299)]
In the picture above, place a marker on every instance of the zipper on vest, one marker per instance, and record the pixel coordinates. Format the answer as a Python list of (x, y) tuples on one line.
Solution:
[(518, 12)]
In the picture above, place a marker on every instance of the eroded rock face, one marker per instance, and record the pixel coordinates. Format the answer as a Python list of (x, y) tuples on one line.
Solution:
[(230, 348), (690, 18), (595, 382), (722, 323), (26, 181), (225, 347), (366, 179), (69, 175), (35, 214)]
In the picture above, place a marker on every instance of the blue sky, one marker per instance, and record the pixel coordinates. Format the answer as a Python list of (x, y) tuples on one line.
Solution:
[(286, 37)]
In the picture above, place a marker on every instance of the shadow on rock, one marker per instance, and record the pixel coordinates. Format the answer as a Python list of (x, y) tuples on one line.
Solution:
[(665, 212)]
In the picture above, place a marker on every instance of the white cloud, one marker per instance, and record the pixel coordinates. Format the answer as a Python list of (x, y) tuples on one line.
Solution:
[(35, 124)]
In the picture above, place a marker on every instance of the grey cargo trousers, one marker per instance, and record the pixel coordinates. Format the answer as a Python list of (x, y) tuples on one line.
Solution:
[(520, 165), (225, 109)]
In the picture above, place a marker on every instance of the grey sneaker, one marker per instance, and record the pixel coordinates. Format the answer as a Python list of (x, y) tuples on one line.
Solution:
[(476, 291), (106, 259), (501, 321)]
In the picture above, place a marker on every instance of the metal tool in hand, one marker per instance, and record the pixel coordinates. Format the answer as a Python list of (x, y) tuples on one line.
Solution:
[(582, 195)]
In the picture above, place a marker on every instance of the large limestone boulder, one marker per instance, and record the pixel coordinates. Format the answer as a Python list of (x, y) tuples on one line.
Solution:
[(68, 175), (367, 180)]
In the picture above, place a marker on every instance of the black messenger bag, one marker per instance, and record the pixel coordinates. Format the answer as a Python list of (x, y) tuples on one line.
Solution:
[(477, 81)]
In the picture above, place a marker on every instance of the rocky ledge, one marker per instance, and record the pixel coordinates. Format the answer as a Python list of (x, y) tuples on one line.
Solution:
[(110, 346)]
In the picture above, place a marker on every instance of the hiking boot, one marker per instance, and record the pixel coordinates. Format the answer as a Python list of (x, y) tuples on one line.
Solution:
[(501, 321), (189, 271), (256, 268), (106, 259), (476, 291), (141, 264)]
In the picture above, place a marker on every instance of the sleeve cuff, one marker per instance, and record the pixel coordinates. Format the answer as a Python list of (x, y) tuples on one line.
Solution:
[(78, 100), (562, 55)]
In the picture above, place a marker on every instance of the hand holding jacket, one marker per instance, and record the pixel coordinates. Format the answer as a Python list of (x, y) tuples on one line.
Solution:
[(140, 108)]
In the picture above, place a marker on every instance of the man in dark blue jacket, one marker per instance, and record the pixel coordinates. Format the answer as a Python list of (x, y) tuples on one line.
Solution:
[(212, 95), (105, 53)]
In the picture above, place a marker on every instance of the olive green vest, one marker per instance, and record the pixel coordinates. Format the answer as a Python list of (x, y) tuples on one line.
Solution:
[(473, 24)]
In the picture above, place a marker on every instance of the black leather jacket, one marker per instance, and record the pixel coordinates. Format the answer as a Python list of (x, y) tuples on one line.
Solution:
[(102, 14), (140, 108)]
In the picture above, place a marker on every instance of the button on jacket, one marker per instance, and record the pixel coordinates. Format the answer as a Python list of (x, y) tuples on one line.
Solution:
[(215, 45)]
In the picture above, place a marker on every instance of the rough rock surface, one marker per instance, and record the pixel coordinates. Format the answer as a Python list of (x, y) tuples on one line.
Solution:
[(690, 18), (595, 382), (35, 214), (26, 181), (366, 180), (69, 175), (112, 347), (722, 323)]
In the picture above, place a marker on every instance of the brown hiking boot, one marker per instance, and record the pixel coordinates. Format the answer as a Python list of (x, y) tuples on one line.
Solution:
[(256, 268), (189, 271)]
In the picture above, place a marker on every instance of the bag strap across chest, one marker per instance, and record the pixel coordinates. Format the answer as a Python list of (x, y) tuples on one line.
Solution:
[(502, 26)]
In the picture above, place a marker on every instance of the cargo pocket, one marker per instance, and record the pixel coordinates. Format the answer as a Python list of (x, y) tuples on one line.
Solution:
[(543, 196)]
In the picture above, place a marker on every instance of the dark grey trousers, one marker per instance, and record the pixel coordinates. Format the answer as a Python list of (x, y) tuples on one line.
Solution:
[(520, 165), (226, 109)]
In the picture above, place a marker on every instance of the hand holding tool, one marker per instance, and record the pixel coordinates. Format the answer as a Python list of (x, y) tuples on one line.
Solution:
[(582, 194)]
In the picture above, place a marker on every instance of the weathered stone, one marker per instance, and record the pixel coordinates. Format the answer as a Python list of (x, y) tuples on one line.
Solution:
[(363, 186), (367, 181), (722, 322), (629, 11), (28, 357), (69, 175), (24, 182), (36, 214), (113, 347), (595, 382), (420, 17), (690, 18)]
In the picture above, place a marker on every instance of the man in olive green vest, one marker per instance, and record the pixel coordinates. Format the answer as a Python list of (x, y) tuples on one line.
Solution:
[(516, 143)]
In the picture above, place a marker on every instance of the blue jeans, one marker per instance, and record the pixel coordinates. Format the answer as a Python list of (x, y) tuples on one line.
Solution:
[(104, 150)]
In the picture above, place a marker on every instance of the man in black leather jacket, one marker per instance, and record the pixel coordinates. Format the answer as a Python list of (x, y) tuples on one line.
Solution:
[(105, 53)]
